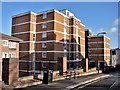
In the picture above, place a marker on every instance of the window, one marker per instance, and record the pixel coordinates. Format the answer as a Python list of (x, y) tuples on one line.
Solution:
[(43, 65), (65, 33), (13, 55), (68, 14), (114, 52), (77, 39), (44, 25), (10, 55), (44, 54), (77, 54), (12, 44), (44, 34), (5, 55), (5, 42), (76, 47), (76, 23), (33, 37), (44, 45), (64, 19), (65, 47), (44, 15)]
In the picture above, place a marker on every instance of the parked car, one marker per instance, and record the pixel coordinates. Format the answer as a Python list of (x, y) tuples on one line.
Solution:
[(108, 69)]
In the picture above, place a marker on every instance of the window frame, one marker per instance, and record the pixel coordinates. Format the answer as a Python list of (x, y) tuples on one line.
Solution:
[(76, 22), (43, 45), (64, 19), (44, 15), (44, 25), (43, 54), (5, 42), (12, 44), (44, 65), (44, 34), (4, 54)]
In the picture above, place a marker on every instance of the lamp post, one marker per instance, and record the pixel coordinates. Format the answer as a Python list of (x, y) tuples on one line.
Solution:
[(97, 49)]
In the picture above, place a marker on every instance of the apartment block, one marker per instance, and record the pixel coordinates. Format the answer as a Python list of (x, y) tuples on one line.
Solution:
[(47, 37), (98, 49), (115, 57), (9, 57), (88, 32)]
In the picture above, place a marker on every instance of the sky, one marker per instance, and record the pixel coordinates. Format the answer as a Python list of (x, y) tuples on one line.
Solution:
[(97, 16)]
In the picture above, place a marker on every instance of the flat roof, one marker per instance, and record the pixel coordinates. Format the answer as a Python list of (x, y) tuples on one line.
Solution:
[(98, 36)]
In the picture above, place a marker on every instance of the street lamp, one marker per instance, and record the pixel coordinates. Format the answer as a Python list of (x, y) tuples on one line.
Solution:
[(101, 33), (97, 49)]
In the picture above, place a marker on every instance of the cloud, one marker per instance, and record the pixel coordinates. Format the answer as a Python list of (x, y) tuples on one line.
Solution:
[(101, 30), (110, 30), (113, 30), (116, 21)]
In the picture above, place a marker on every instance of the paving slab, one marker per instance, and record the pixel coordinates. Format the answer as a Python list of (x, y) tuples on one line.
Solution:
[(66, 84)]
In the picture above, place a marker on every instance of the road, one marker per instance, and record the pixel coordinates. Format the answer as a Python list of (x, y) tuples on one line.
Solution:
[(112, 83)]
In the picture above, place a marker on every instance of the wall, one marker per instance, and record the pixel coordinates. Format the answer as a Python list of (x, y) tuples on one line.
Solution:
[(10, 70), (0, 59), (118, 56)]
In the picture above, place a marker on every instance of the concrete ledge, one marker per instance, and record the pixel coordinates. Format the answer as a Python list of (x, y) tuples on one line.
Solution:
[(29, 84), (86, 82), (25, 78), (54, 79), (89, 73), (82, 74)]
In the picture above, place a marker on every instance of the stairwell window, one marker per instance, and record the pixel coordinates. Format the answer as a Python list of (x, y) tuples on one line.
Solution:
[(44, 54), (44, 45), (44, 25), (76, 23), (64, 19), (44, 15), (44, 34), (43, 65), (68, 14)]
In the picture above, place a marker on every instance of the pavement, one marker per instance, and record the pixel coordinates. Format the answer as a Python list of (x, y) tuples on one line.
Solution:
[(66, 84), (112, 83)]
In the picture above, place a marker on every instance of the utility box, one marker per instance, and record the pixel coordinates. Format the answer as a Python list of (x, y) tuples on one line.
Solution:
[(47, 76)]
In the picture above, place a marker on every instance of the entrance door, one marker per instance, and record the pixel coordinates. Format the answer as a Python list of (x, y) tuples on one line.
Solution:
[(60, 65)]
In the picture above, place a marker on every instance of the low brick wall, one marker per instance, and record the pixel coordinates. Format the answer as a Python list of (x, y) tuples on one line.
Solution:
[(25, 78), (10, 70), (1, 84), (39, 76), (92, 69), (55, 74)]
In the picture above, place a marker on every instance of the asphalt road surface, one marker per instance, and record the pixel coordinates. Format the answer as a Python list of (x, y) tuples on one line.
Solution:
[(112, 83)]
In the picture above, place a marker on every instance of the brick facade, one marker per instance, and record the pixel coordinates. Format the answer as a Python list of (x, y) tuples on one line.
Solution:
[(52, 33), (9, 58), (98, 48)]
